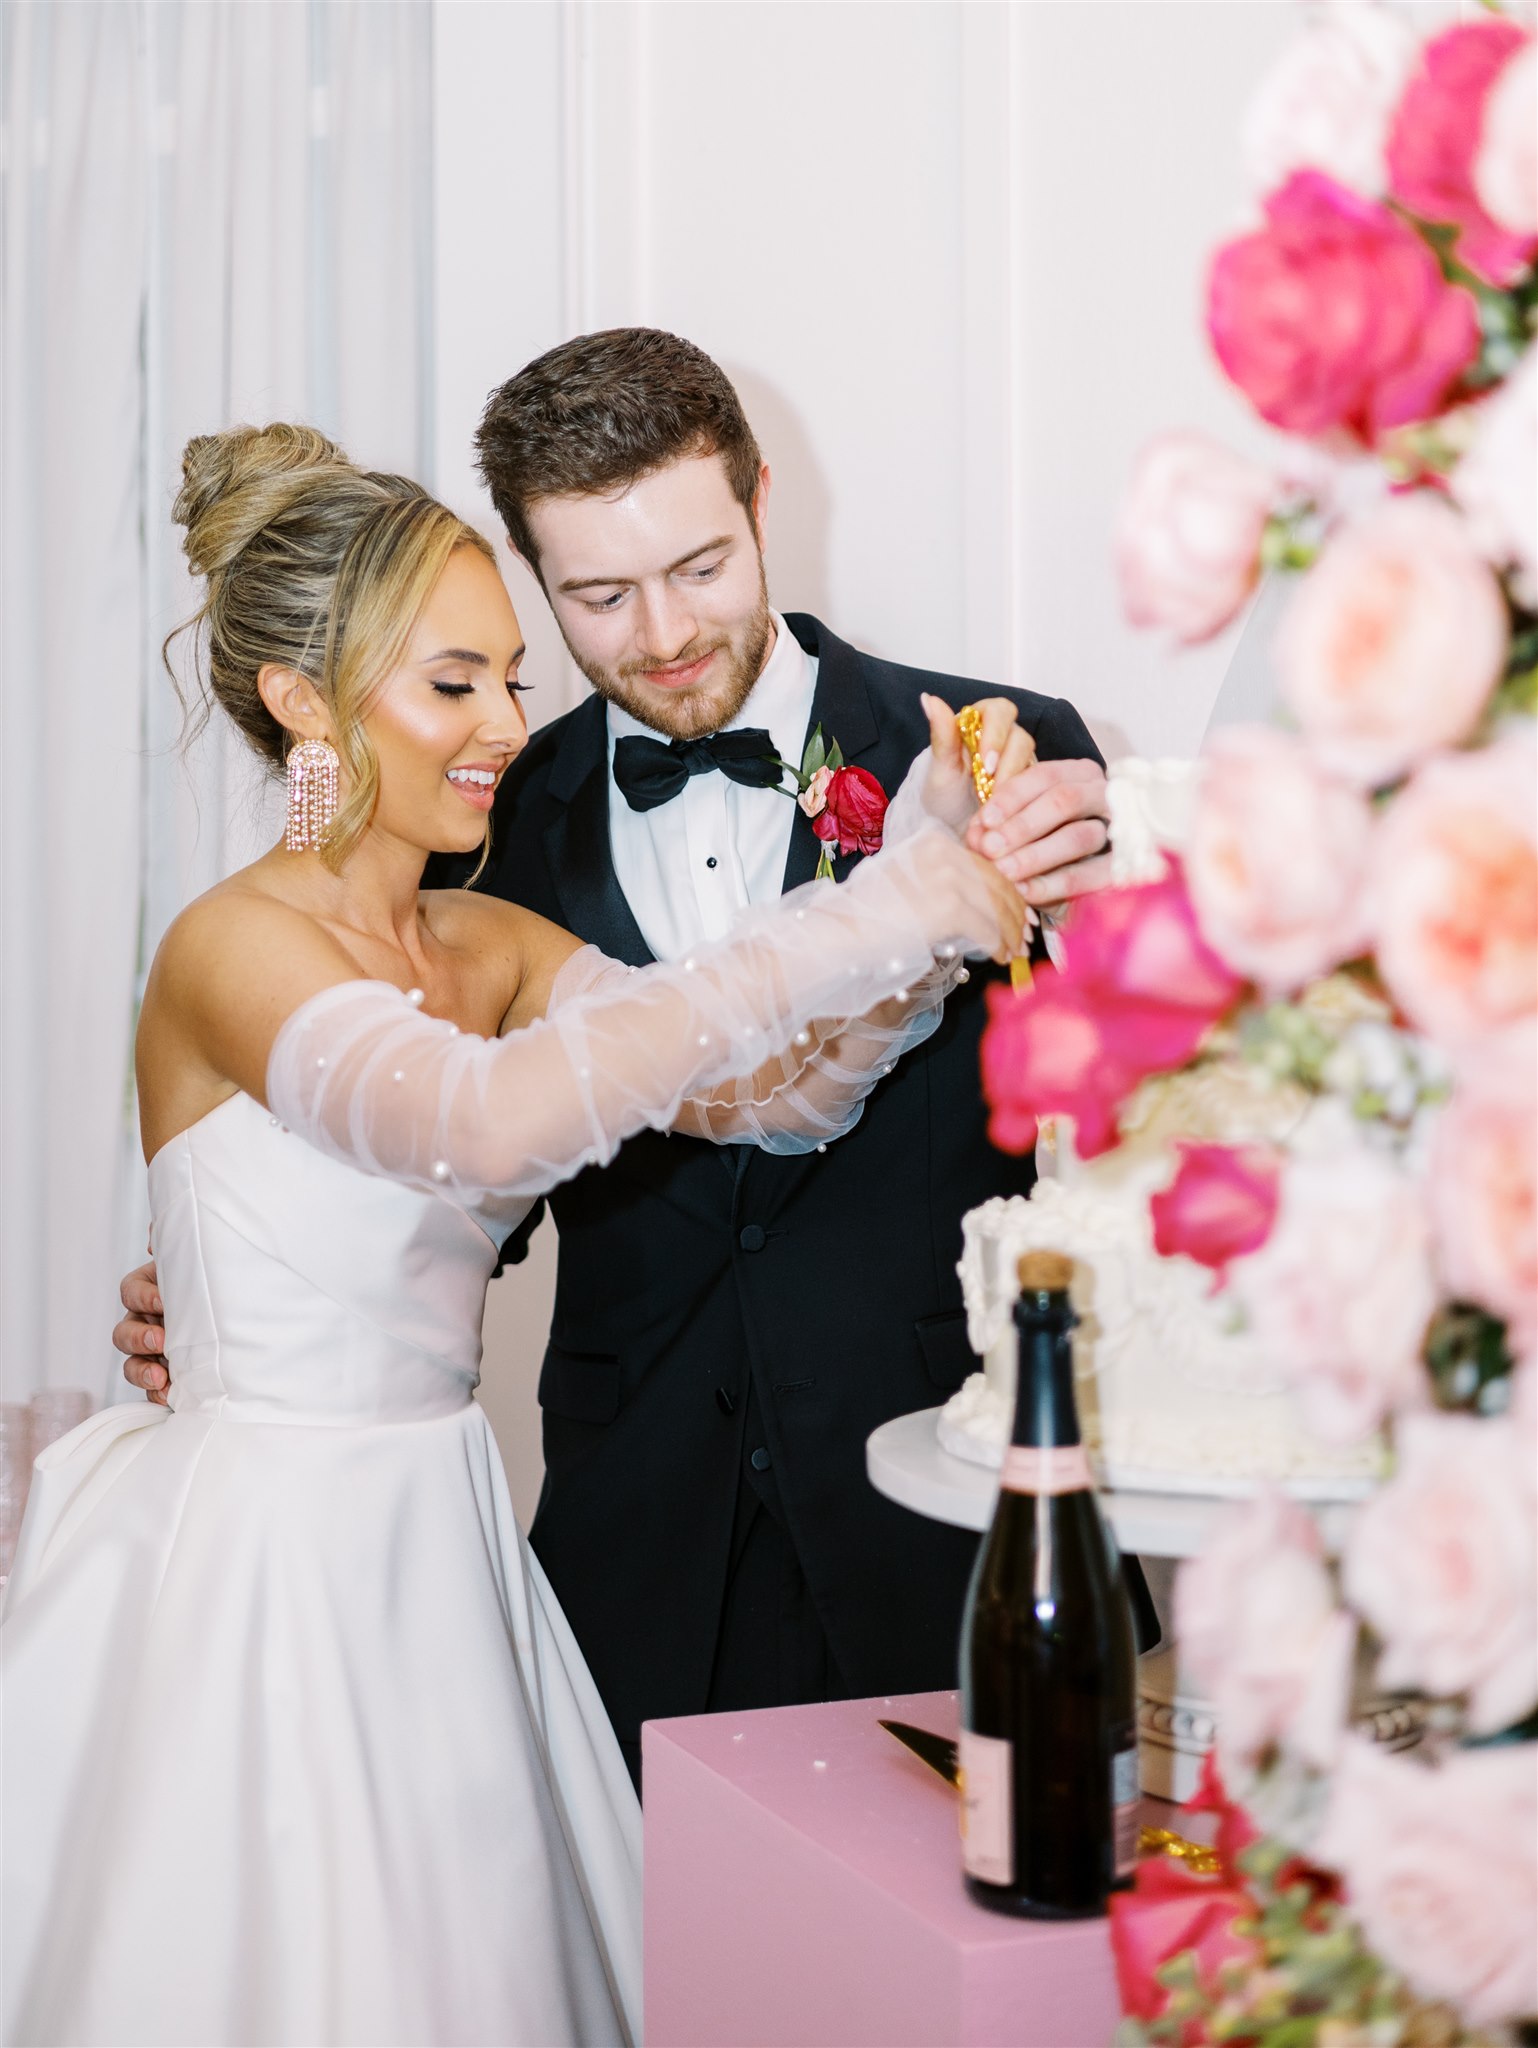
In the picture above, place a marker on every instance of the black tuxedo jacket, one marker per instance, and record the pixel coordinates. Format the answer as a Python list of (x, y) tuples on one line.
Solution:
[(690, 1274)]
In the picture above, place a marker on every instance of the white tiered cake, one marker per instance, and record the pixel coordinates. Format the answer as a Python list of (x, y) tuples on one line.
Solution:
[(1175, 1397)]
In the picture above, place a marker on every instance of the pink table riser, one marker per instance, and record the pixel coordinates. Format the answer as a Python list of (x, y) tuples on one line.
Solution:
[(803, 1890)]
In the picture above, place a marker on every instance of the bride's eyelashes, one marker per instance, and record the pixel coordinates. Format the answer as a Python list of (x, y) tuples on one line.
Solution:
[(515, 688)]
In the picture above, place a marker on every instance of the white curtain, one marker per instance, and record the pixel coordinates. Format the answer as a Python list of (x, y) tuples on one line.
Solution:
[(211, 213)]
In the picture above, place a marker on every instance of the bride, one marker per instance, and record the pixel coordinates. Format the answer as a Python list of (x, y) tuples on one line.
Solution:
[(298, 1745)]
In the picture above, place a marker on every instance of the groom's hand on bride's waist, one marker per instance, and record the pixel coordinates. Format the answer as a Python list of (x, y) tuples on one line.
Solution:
[(141, 1334)]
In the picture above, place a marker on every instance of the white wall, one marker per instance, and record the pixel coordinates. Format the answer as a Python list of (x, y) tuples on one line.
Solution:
[(951, 252)]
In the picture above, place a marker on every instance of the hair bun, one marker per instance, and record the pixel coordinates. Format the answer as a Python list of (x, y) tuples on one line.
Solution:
[(234, 482)]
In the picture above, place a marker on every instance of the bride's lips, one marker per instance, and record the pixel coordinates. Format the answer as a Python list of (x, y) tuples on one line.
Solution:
[(478, 795), (683, 675)]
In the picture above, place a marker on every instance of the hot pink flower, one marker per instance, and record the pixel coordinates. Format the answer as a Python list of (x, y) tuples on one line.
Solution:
[(1335, 315), (1394, 641), (1441, 1868), (1484, 1190), (1435, 139), (1456, 889), (1221, 1203), (1139, 993), (1443, 1564), (1257, 1621), (1341, 1291), (1277, 859), (1189, 533)]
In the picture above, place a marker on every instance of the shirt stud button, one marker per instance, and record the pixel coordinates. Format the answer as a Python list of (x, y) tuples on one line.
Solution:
[(710, 860)]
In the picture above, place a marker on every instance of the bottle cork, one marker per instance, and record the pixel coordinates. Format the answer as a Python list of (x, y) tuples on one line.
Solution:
[(1045, 1272)]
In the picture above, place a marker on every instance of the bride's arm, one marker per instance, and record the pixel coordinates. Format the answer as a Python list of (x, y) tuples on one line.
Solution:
[(363, 1075)]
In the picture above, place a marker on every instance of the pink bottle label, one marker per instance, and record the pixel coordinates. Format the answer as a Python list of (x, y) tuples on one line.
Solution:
[(987, 1808), (1062, 1468)]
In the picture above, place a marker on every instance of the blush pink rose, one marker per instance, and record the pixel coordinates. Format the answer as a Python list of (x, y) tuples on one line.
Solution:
[(1442, 1563), (1139, 991), (1456, 895), (1336, 316), (1441, 1870), (814, 798), (1221, 1203), (1277, 859), (1394, 641), (1188, 535), (1506, 166), (1255, 1612), (1496, 482), (1435, 139), (1341, 1291), (1326, 106), (1484, 1191)]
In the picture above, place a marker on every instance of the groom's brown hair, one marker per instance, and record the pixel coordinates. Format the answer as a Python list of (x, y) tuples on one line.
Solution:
[(597, 413)]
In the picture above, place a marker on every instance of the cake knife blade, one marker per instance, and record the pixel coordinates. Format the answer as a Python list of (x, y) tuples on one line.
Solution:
[(935, 1750)]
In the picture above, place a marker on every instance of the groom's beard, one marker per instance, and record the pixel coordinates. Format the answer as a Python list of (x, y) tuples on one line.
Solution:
[(688, 714)]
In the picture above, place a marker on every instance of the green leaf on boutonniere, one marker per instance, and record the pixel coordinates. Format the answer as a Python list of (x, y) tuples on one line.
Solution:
[(815, 757)]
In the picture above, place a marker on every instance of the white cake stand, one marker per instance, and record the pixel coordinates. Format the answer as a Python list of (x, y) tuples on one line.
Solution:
[(905, 1461)]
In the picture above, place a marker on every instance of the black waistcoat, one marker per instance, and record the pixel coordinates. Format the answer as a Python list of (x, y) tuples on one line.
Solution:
[(688, 1272)]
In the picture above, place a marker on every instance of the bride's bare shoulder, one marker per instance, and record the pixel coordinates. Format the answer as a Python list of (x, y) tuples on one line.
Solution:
[(236, 939)]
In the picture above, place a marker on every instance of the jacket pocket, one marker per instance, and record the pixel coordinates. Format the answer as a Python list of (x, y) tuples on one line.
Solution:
[(948, 1357), (581, 1385)]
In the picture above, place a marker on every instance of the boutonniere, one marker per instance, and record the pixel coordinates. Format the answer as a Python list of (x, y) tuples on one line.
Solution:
[(847, 806)]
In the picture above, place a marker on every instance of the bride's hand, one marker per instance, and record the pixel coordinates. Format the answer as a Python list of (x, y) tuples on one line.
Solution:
[(968, 902), (1004, 748)]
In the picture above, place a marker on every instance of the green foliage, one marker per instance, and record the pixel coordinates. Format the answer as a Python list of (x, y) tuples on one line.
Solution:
[(1467, 1358)]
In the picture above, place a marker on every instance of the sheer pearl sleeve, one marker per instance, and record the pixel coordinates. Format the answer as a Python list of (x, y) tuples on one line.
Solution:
[(363, 1075)]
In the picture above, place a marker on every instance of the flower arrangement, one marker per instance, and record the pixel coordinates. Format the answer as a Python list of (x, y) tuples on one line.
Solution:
[(1352, 916)]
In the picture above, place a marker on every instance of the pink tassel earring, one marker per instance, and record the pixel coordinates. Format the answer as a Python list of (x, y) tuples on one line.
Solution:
[(312, 770)]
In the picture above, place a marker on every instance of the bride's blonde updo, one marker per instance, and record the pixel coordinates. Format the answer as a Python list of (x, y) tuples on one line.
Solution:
[(310, 564)]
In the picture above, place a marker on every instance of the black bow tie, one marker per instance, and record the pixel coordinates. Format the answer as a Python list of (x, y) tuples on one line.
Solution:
[(652, 772)]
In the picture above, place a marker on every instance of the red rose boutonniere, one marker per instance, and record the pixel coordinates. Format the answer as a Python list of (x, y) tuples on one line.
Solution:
[(847, 806)]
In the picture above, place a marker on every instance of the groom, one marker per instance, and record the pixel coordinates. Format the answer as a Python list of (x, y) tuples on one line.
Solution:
[(729, 1326)]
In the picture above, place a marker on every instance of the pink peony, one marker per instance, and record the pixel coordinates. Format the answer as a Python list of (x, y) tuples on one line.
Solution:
[(1254, 1614), (1435, 139), (1335, 315), (1326, 106), (1394, 642), (1340, 1293), (1277, 859), (1506, 166), (1189, 533), (1221, 1203), (1443, 1565), (1441, 1868), (1456, 893), (1139, 992), (1496, 483), (1484, 1201)]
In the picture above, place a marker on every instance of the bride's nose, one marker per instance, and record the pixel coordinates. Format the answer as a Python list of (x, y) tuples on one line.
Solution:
[(506, 732)]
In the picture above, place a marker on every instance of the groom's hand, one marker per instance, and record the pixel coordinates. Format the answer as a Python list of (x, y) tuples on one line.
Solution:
[(141, 1335), (1048, 830)]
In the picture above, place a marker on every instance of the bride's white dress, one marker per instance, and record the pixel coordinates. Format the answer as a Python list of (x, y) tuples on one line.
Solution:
[(297, 1744)]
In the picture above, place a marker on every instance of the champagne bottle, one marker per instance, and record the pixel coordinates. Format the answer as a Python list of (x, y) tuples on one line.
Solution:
[(1048, 1730)]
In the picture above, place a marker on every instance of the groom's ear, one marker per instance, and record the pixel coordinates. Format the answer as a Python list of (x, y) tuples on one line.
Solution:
[(530, 562), (761, 504), (293, 701)]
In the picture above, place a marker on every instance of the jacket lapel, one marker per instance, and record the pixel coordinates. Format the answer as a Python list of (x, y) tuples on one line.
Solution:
[(841, 705), (581, 861)]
